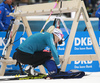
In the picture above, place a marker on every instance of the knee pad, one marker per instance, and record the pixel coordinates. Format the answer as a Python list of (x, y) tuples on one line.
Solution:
[(51, 66)]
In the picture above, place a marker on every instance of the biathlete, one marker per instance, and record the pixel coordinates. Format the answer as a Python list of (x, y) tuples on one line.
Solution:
[(31, 50)]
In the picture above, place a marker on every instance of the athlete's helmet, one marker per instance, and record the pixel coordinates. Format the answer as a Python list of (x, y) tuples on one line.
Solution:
[(58, 33)]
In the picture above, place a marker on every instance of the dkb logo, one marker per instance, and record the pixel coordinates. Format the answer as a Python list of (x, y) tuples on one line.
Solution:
[(2, 44), (86, 41), (83, 62)]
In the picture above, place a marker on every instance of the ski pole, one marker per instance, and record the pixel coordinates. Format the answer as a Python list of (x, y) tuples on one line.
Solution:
[(50, 15)]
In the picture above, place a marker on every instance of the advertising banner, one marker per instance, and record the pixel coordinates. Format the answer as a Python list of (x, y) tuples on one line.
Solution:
[(81, 45)]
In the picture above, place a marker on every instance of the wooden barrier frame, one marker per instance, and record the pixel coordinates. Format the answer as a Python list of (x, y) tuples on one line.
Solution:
[(67, 57), (42, 9)]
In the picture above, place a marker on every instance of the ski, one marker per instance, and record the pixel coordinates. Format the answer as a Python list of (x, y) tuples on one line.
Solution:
[(61, 75), (39, 76)]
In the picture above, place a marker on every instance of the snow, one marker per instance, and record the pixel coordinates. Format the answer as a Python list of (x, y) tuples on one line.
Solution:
[(91, 77)]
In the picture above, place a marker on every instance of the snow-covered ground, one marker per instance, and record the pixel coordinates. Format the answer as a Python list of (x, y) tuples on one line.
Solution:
[(93, 77)]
